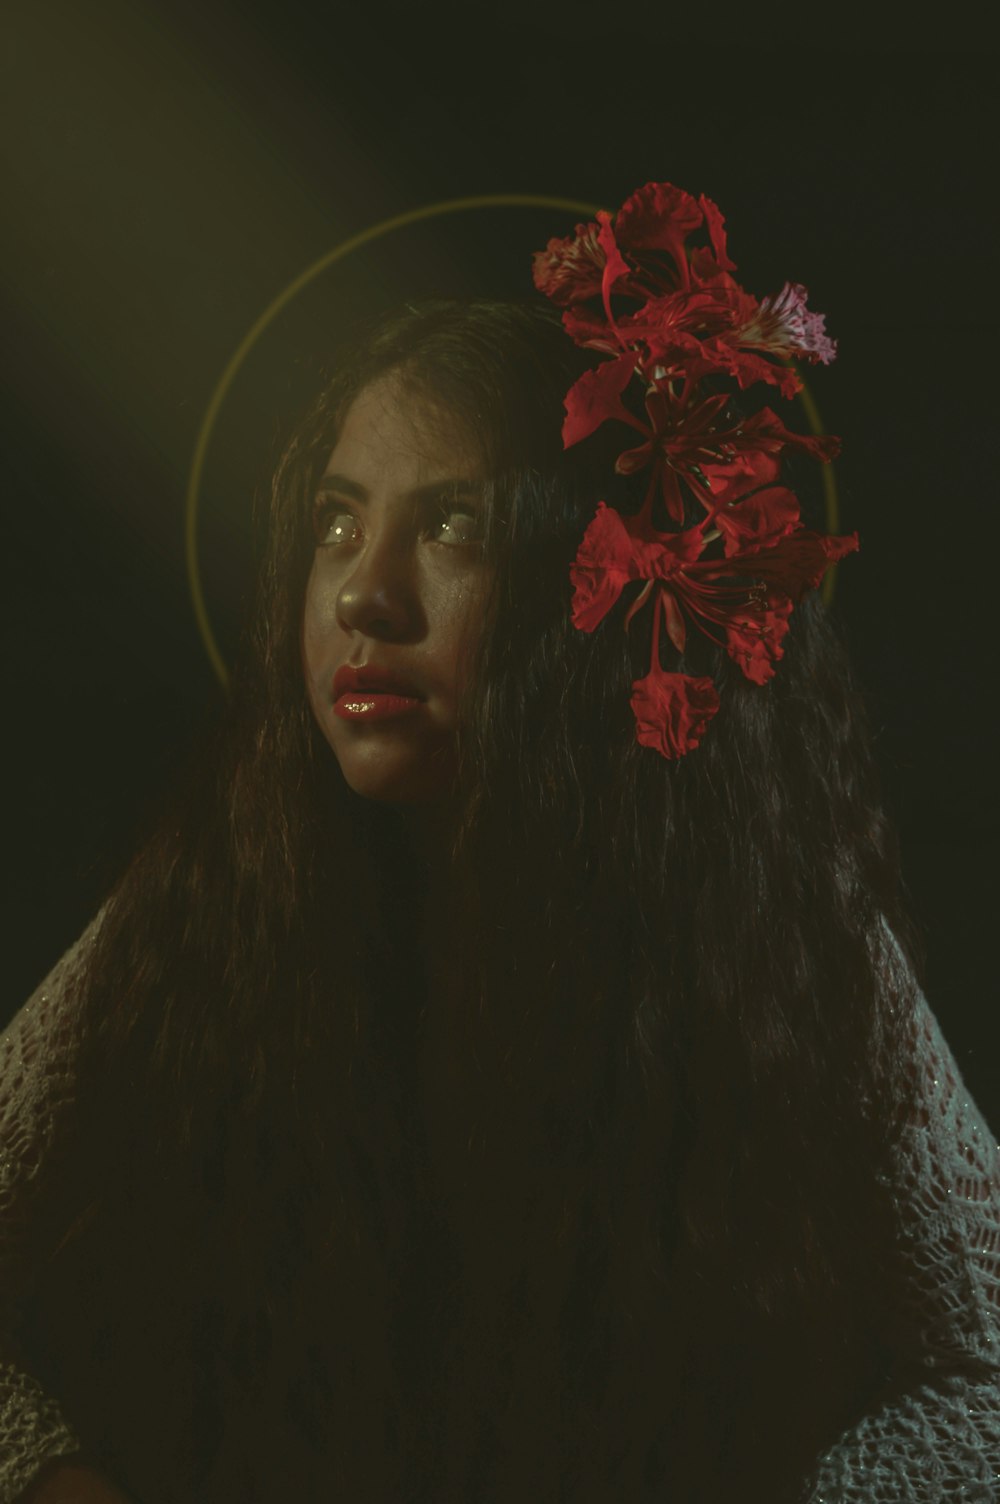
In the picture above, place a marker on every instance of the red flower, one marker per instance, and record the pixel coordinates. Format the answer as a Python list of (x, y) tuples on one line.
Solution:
[(690, 442), (693, 317), (672, 710), (670, 313), (741, 600), (776, 558), (612, 554), (570, 269), (755, 639), (625, 254), (685, 299), (750, 593)]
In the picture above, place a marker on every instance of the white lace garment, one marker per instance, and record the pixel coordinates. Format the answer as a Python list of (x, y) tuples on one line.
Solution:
[(938, 1443)]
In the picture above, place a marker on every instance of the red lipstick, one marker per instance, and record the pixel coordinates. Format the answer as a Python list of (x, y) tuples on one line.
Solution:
[(368, 693)]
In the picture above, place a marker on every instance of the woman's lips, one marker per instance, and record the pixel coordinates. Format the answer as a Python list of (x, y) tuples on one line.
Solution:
[(373, 705), (369, 693)]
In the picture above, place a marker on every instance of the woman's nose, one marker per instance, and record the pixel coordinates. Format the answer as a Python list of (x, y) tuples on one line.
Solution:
[(379, 597)]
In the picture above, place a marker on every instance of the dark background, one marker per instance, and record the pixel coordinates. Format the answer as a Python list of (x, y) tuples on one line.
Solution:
[(168, 172)]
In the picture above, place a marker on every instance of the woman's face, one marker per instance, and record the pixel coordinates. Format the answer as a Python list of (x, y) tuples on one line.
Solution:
[(397, 592)]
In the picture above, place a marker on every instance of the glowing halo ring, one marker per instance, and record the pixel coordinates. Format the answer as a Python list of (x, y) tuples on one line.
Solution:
[(365, 237)]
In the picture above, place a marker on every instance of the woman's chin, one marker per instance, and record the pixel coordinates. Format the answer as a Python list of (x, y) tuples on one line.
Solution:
[(400, 779)]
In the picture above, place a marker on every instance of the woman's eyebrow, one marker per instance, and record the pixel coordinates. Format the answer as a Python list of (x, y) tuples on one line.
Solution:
[(351, 488), (462, 486), (459, 486)]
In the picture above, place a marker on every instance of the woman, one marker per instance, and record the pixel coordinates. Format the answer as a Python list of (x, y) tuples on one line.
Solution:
[(486, 1084)]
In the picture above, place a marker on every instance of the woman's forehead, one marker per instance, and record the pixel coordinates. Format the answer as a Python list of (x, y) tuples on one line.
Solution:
[(396, 422)]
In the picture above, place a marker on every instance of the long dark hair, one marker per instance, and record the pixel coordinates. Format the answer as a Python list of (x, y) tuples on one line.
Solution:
[(682, 1032)]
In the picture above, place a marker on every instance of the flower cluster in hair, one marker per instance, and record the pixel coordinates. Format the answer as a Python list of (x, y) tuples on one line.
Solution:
[(670, 316)]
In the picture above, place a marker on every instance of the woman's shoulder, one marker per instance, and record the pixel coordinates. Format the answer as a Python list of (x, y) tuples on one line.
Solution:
[(946, 1132), (940, 1109), (38, 1051), (944, 1176), (37, 1056)]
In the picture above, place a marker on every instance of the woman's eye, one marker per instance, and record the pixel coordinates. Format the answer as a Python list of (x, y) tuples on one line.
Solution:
[(333, 524), (456, 526)]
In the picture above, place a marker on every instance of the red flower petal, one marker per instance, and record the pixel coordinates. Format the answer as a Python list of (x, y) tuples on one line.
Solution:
[(660, 558), (717, 233), (594, 398), (615, 265), (674, 621), (748, 368), (670, 490), (672, 710), (591, 331), (754, 638), (604, 565), (759, 520), (795, 564), (658, 217), (746, 470), (632, 460), (766, 431), (688, 323)]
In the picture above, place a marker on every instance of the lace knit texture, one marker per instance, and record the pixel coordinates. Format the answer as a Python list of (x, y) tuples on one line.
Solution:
[(938, 1443), (36, 1081)]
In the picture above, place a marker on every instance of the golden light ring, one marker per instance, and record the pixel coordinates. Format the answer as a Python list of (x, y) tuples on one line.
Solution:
[(354, 243)]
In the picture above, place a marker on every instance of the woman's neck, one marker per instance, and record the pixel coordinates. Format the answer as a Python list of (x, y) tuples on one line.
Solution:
[(430, 832), (441, 1076)]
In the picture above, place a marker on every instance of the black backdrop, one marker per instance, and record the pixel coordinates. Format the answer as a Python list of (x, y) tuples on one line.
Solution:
[(169, 170)]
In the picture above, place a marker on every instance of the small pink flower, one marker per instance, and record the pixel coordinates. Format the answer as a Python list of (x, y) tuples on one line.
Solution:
[(784, 326)]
